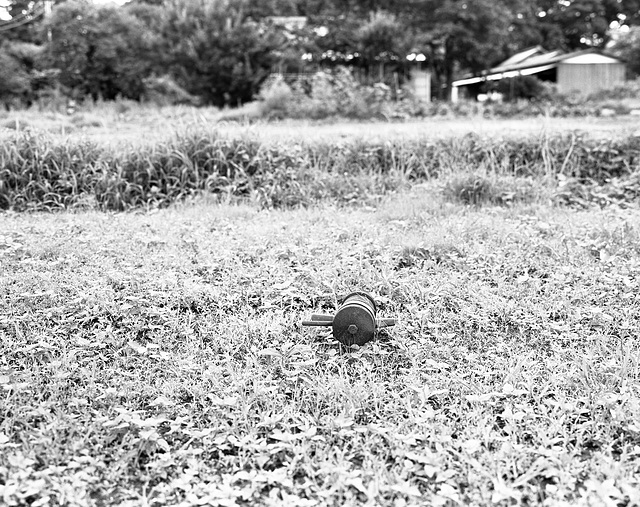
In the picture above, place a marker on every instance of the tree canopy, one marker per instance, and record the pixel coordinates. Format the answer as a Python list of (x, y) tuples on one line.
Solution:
[(222, 50)]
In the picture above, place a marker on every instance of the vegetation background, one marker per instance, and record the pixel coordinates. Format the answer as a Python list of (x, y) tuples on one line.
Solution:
[(220, 53)]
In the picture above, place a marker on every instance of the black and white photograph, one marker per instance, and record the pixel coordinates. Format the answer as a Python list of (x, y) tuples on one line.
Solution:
[(310, 253)]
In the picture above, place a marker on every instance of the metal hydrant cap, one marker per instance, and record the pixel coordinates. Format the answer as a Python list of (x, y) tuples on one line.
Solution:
[(355, 322)]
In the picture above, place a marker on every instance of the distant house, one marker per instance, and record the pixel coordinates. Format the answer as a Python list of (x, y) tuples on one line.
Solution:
[(584, 71)]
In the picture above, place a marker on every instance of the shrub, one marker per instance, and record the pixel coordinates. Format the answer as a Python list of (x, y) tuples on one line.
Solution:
[(621, 191), (626, 90), (324, 95), (277, 98), (524, 87), (471, 189), (53, 98), (165, 91)]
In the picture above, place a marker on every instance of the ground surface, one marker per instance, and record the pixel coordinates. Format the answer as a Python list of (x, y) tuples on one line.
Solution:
[(125, 124), (442, 128), (158, 358)]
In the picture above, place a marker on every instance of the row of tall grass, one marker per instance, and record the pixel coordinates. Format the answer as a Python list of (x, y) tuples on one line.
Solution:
[(38, 172)]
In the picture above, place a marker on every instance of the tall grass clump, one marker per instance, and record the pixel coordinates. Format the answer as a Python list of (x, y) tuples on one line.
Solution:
[(38, 172), (477, 189)]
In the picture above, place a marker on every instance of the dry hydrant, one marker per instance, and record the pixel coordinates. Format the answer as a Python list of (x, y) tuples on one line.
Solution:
[(355, 323)]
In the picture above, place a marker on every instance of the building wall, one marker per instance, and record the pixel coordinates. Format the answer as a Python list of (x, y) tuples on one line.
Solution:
[(588, 78), (421, 82)]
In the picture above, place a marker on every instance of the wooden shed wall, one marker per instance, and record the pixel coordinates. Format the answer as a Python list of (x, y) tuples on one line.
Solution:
[(589, 78)]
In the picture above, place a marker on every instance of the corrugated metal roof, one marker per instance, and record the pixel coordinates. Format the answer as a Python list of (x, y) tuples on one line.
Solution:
[(533, 61), (521, 56), (502, 75)]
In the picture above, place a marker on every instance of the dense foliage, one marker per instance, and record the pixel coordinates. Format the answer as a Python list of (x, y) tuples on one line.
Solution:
[(220, 52), (39, 173)]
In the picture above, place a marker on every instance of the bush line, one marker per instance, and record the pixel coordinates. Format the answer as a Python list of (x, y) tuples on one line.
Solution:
[(40, 173)]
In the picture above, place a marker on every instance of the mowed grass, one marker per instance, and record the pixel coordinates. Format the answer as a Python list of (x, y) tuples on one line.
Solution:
[(157, 358)]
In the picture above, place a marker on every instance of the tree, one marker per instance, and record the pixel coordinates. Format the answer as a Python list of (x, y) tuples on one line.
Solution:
[(530, 26), (458, 35), (582, 22), (100, 50), (21, 76), (623, 12), (14, 79), (570, 24), (153, 17), (24, 23), (382, 39), (627, 47), (216, 51)]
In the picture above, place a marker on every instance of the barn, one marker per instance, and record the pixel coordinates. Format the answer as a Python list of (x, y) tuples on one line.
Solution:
[(584, 71)]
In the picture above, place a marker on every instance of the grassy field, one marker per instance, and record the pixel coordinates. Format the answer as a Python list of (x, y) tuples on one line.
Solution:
[(128, 123), (156, 357)]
